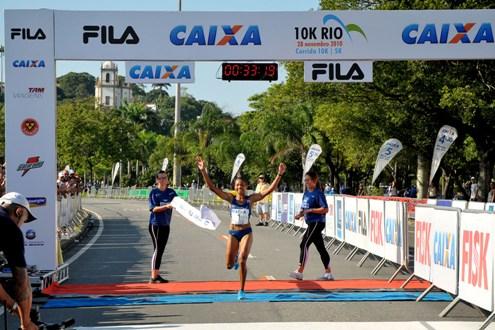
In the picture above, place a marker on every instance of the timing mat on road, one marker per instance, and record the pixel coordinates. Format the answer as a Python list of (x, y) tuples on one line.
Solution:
[(231, 286), (209, 298)]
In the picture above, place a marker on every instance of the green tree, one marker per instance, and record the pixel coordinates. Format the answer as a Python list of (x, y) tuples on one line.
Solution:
[(76, 85)]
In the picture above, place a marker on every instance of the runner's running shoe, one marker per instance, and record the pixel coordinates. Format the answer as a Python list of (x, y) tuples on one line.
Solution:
[(241, 295), (326, 277), (296, 275), (158, 279)]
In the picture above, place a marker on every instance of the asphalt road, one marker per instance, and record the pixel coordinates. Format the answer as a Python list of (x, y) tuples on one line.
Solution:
[(123, 252)]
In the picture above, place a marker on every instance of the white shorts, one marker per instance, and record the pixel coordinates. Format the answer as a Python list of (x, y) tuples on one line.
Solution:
[(261, 208)]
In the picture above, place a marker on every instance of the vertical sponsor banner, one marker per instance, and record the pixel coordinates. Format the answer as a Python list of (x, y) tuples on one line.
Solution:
[(330, 217), (274, 206), (339, 218), (376, 227), (394, 225), (444, 250), (422, 241), (388, 151), (291, 208), (476, 259), (30, 103), (237, 165), (363, 222), (350, 221), (445, 137)]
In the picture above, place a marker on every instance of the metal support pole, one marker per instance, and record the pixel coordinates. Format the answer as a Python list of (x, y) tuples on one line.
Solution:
[(329, 245), (339, 248), (352, 254), (407, 281), (363, 259), (397, 272), (177, 169), (487, 322), (379, 266), (425, 292), (450, 307)]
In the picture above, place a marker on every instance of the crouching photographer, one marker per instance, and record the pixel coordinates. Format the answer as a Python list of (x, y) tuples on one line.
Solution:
[(15, 293)]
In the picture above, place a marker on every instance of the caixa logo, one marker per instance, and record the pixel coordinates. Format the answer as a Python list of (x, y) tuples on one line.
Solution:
[(447, 33), (107, 34), (27, 34), (215, 35), (171, 72), (28, 64)]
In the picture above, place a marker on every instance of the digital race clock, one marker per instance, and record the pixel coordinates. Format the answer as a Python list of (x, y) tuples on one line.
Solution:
[(250, 71)]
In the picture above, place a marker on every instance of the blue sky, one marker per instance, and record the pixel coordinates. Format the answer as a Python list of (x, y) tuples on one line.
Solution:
[(232, 97)]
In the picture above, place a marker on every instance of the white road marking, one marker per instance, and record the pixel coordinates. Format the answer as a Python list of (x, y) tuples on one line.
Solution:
[(419, 325), (91, 242)]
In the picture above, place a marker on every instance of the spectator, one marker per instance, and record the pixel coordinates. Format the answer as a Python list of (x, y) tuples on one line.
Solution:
[(392, 189), (475, 190), (491, 193), (14, 212), (2, 180), (361, 191)]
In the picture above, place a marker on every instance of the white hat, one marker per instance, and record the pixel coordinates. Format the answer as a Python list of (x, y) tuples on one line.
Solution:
[(16, 198)]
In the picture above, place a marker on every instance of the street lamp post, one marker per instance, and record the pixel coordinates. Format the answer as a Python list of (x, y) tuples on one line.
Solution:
[(177, 168)]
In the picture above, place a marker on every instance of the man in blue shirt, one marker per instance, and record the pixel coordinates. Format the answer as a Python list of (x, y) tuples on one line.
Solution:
[(159, 227)]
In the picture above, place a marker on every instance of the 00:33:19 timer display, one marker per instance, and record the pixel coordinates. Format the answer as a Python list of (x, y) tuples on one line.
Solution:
[(250, 71)]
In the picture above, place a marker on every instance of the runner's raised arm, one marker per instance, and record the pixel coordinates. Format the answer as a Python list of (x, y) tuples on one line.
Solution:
[(219, 192)]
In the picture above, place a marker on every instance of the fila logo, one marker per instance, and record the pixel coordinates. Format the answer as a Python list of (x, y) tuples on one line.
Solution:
[(335, 72), (342, 71), (27, 34), (107, 34)]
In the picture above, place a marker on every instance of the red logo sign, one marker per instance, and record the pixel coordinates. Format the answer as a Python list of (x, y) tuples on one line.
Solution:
[(30, 127), (31, 162)]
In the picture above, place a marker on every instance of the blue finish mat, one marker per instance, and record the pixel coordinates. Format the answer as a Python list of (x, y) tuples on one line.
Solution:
[(250, 298)]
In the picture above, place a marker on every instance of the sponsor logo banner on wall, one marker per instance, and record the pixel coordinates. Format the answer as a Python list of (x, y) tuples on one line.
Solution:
[(363, 222), (444, 250), (350, 221), (297, 207), (343, 71), (291, 208), (317, 35), (285, 207), (330, 217), (274, 211), (339, 218), (422, 241), (376, 227), (394, 232), (159, 72), (30, 126), (476, 259)]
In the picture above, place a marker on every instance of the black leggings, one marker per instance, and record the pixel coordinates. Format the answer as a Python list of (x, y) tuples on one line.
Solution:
[(159, 236), (313, 235)]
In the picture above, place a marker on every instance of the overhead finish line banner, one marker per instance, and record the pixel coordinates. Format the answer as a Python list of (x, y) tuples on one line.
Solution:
[(319, 35)]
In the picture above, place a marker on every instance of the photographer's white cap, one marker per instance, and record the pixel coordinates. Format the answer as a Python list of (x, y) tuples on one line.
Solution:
[(16, 198)]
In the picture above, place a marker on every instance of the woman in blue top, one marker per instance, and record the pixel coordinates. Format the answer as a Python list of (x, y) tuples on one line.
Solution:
[(241, 234), (159, 227), (314, 207)]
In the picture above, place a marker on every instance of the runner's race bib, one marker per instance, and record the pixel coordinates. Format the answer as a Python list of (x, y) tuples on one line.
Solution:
[(240, 216)]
